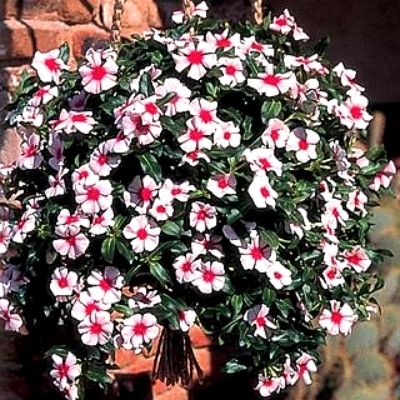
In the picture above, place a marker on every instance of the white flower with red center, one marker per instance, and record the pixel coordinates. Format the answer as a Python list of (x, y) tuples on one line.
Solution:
[(207, 244), (66, 219), (263, 160), (357, 259), (121, 143), (198, 59), (353, 112), (334, 214), (202, 216), (5, 236), (262, 193), (144, 132), (44, 95), (356, 202), (298, 227), (141, 193), (72, 242), (276, 134), (31, 115), (25, 225), (102, 162), (299, 34), (384, 177), (138, 330), (56, 149), (339, 319), (309, 64), (187, 318), (161, 210), (227, 134), (267, 386), (195, 138), (98, 75), (148, 109), (106, 286), (251, 45), (185, 266), (256, 254), (283, 24), (74, 121), (180, 102), (84, 306), (84, 176), (304, 143), (95, 197), (204, 113), (63, 282), (96, 329), (332, 275), (257, 317), (193, 158), (198, 10), (13, 321), (278, 275), (222, 185), (222, 41), (210, 277), (57, 186), (144, 298), (143, 234), (30, 156), (232, 69), (65, 370), (272, 84), (305, 365), (347, 77), (102, 222), (171, 191), (49, 66)]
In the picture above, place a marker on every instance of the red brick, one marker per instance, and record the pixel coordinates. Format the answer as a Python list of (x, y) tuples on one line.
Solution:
[(85, 36), (9, 9), (174, 393), (77, 11), (41, 9), (199, 338)]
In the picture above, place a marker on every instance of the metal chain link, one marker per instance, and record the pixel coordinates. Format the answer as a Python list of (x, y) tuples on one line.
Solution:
[(258, 11), (119, 7)]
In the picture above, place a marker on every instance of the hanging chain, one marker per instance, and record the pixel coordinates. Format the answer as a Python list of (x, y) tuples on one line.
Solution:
[(119, 6), (187, 6), (258, 11)]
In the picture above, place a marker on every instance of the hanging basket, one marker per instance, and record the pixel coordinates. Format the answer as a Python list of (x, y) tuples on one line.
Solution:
[(214, 174)]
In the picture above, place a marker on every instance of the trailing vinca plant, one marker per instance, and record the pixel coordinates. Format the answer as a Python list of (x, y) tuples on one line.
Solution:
[(212, 174)]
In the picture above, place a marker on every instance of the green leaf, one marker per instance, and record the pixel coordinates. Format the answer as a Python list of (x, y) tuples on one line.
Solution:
[(120, 308), (124, 249), (270, 109), (171, 228), (233, 366), (270, 237), (98, 374), (64, 52), (108, 249), (247, 128), (145, 85), (161, 274), (150, 165)]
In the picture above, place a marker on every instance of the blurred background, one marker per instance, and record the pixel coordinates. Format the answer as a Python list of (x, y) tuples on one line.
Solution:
[(365, 35)]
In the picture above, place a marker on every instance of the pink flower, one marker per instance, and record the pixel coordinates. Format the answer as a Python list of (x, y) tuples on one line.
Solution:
[(161, 210), (98, 75), (121, 143), (272, 84), (85, 306), (222, 41), (143, 233), (304, 143), (84, 176), (49, 65), (266, 386), (222, 185), (139, 330), (102, 162), (56, 149), (334, 214), (210, 277), (232, 69), (65, 370), (257, 317), (56, 184), (339, 319), (256, 254), (197, 58), (283, 24), (278, 275), (227, 134), (145, 132), (13, 321), (187, 319), (95, 197), (101, 222), (204, 113), (384, 177), (66, 219), (251, 45), (72, 243), (304, 365), (202, 216), (30, 157), (180, 101), (171, 191), (144, 298), (347, 77), (276, 134), (199, 10), (357, 258), (75, 121), (332, 275), (31, 115), (141, 192), (96, 329), (63, 282), (263, 160), (262, 193), (5, 236), (356, 202), (106, 286), (193, 158), (25, 225), (185, 266), (309, 64), (207, 244), (148, 109), (353, 112), (44, 95)]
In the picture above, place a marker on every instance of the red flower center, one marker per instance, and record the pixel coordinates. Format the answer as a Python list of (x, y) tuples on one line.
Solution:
[(223, 183), (176, 191), (353, 259), (63, 282), (272, 80), (230, 70), (79, 118), (356, 112), (336, 317), (93, 194), (151, 108), (90, 308), (281, 21), (202, 215), (264, 192), (206, 116), (140, 329), (142, 234), (186, 266), (208, 276), (260, 321), (227, 135), (223, 42), (331, 274), (96, 328), (303, 145), (196, 135), (52, 64), (105, 284), (145, 194), (161, 209), (71, 240), (195, 57), (102, 159), (256, 46), (265, 163), (257, 253), (275, 134), (278, 275), (98, 72), (63, 370)]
